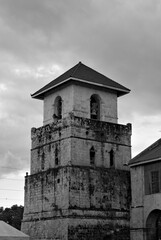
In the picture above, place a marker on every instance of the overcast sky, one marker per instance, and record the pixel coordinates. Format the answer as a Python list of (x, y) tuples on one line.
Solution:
[(40, 39)]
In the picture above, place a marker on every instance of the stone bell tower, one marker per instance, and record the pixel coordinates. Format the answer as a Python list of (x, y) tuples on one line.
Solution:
[(79, 183)]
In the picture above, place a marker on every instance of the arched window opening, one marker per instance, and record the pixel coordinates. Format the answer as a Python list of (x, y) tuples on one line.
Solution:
[(58, 108), (95, 107), (111, 153), (56, 156), (153, 225), (92, 156)]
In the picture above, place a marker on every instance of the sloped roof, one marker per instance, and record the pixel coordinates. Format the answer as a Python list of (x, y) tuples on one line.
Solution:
[(9, 232), (82, 73), (150, 154)]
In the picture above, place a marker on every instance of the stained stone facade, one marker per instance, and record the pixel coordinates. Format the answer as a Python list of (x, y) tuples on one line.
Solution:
[(79, 182)]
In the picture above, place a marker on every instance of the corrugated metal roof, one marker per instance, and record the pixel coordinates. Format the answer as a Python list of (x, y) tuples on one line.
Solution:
[(82, 73), (152, 153)]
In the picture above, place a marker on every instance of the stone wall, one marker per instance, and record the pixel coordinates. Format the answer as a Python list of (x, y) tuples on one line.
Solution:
[(108, 102), (67, 103), (98, 229), (91, 196), (85, 200), (99, 189), (137, 209), (76, 99), (74, 133)]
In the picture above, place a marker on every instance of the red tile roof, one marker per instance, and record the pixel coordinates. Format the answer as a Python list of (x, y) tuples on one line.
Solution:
[(150, 154), (82, 73)]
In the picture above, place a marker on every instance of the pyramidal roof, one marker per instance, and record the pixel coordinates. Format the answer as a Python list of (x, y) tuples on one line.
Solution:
[(82, 74), (150, 154), (9, 232)]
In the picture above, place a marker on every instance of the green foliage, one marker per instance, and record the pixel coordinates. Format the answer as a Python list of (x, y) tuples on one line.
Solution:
[(12, 216)]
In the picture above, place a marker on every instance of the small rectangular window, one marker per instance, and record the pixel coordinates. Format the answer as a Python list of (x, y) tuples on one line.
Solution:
[(56, 156), (155, 181), (111, 158), (43, 161), (56, 161), (92, 156)]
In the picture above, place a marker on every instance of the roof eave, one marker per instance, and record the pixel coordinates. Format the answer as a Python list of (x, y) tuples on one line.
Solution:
[(144, 162), (40, 95)]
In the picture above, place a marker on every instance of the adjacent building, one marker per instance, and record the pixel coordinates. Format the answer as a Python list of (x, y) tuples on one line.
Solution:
[(79, 182), (146, 194)]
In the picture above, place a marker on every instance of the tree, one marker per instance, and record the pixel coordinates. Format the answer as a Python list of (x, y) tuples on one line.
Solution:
[(12, 216)]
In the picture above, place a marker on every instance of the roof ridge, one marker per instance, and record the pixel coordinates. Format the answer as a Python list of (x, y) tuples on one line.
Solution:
[(76, 68)]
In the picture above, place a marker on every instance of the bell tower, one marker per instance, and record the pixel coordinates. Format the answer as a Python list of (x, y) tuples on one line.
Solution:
[(79, 182)]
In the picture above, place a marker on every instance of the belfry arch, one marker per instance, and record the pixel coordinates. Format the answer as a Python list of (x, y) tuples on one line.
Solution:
[(58, 107), (95, 107), (153, 225)]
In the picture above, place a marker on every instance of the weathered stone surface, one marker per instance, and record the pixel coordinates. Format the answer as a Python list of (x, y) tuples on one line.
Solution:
[(99, 198), (74, 199), (98, 230), (74, 133)]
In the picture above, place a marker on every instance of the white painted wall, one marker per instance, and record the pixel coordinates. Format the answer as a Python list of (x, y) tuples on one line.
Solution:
[(108, 103), (67, 103), (137, 206), (76, 99)]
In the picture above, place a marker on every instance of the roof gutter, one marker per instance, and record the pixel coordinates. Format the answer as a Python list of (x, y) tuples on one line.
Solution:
[(144, 162)]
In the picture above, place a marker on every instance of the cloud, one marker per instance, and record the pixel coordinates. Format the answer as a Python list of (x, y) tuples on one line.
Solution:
[(146, 130), (11, 164), (42, 39)]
